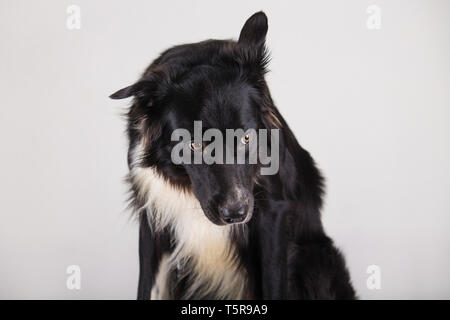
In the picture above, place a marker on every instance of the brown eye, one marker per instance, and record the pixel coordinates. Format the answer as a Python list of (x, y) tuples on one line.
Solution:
[(196, 146), (245, 139)]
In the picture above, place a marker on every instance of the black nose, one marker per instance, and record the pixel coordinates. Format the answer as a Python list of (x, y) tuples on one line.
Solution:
[(233, 214)]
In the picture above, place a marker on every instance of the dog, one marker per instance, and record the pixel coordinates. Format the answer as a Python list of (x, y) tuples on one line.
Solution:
[(224, 231)]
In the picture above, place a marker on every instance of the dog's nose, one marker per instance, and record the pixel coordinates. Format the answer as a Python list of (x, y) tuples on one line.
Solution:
[(233, 214)]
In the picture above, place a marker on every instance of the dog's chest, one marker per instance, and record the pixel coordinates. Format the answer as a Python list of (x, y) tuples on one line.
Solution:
[(202, 265), (203, 252)]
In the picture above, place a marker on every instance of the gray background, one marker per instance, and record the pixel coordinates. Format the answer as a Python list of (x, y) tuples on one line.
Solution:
[(372, 106)]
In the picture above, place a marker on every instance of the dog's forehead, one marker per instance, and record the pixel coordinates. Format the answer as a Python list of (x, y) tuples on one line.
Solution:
[(228, 107), (222, 107), (220, 99)]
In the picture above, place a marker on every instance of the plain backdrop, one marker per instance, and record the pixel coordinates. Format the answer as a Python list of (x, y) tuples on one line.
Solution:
[(372, 107)]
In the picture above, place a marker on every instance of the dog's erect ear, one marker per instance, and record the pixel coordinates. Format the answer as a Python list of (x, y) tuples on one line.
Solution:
[(138, 89), (253, 33)]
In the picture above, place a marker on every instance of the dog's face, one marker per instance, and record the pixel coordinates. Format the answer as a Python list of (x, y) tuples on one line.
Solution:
[(220, 102), (221, 84)]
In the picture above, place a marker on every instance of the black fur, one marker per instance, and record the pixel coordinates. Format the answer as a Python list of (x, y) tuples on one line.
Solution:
[(283, 248)]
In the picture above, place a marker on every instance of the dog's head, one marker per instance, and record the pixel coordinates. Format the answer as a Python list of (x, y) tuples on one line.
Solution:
[(221, 84)]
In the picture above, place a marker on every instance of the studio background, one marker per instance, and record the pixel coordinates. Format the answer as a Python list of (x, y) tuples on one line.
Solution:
[(372, 107)]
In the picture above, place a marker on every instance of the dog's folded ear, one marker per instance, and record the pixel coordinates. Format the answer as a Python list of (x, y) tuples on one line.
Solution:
[(253, 33), (138, 89)]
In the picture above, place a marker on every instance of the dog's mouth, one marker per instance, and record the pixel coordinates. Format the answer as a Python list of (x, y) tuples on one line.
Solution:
[(239, 220), (217, 220), (239, 214)]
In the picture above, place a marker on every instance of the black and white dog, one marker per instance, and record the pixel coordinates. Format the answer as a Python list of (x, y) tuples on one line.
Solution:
[(224, 231)]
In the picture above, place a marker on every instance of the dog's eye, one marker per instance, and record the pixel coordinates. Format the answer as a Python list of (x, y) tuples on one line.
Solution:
[(245, 139), (196, 146)]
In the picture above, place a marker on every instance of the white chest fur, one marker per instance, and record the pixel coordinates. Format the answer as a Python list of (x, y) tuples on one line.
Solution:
[(205, 244)]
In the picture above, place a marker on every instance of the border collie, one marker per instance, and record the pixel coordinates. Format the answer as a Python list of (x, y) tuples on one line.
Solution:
[(224, 231)]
